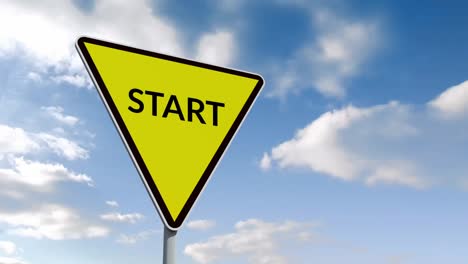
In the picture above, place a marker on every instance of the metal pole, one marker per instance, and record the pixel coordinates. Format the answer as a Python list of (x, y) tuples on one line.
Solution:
[(169, 250)]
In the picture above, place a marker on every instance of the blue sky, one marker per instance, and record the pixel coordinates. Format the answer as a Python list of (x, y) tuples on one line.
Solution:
[(353, 153)]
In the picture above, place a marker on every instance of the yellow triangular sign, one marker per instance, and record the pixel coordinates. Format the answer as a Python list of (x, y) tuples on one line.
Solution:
[(175, 116)]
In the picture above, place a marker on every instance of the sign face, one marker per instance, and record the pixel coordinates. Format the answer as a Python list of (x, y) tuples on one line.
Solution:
[(175, 116)]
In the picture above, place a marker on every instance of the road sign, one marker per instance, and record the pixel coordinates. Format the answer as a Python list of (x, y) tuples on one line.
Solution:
[(175, 116)]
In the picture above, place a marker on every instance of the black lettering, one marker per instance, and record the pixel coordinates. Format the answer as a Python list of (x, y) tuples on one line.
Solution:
[(173, 100), (141, 106), (215, 110), (154, 96), (197, 111)]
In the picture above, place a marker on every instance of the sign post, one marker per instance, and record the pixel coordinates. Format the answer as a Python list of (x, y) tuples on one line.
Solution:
[(169, 252), (175, 116)]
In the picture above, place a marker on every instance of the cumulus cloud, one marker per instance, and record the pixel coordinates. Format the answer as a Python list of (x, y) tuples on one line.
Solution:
[(63, 22), (452, 103), (217, 48), (135, 238), (138, 24), (50, 221), (379, 145), (41, 176), (337, 53), (122, 218), (259, 241), (201, 224), (15, 140), (57, 113), (21, 177), (7, 247), (64, 147), (317, 146)]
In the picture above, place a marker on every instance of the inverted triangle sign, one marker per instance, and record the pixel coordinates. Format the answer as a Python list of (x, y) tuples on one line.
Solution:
[(175, 116)]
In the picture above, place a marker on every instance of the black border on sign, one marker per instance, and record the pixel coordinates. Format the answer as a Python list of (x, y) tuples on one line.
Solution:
[(173, 224)]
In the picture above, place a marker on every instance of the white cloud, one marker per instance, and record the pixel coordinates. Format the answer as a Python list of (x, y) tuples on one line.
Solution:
[(384, 144), (75, 79), (7, 247), (57, 113), (6, 260), (317, 146), (217, 48), (16, 141), (201, 224), (62, 21), (50, 221), (399, 173), (41, 176), (453, 102), (265, 162), (122, 218), (112, 203), (135, 238), (337, 53), (257, 240), (320, 147), (64, 147), (45, 33)]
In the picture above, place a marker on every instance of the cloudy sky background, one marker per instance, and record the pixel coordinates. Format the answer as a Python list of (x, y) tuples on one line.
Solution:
[(355, 152)]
